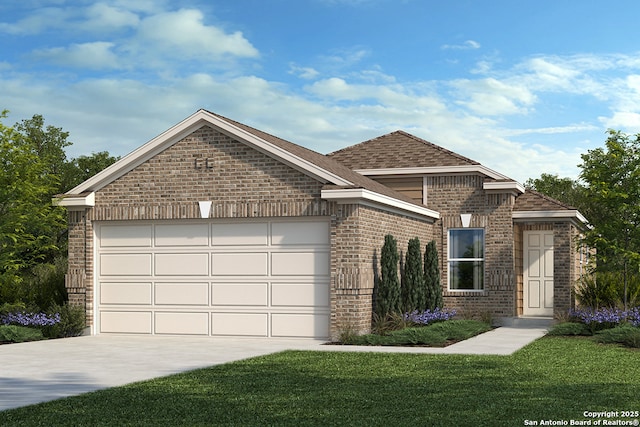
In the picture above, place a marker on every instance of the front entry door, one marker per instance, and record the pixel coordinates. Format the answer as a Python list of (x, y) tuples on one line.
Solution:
[(538, 273)]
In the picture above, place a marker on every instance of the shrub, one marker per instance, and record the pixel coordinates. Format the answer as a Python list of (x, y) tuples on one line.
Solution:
[(412, 288), (626, 334), (72, 322), (606, 289), (436, 335), (432, 277), (15, 334), (570, 328), (391, 322), (44, 284), (388, 287)]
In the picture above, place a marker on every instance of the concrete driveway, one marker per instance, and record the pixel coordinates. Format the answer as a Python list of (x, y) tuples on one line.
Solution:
[(41, 371)]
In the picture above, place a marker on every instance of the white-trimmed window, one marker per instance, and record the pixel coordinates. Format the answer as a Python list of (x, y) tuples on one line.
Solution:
[(466, 259)]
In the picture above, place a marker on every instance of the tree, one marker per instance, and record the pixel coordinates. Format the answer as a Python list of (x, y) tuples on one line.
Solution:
[(29, 224), (612, 177), (566, 190), (82, 168), (412, 289), (388, 289), (432, 277)]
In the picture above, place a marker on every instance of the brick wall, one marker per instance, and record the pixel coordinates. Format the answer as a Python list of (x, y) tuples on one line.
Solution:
[(241, 183), (464, 194), (358, 237)]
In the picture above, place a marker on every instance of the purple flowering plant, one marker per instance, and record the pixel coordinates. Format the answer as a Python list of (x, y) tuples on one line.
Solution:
[(604, 318), (30, 319), (429, 316)]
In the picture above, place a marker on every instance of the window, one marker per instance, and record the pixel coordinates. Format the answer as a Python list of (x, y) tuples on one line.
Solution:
[(466, 259)]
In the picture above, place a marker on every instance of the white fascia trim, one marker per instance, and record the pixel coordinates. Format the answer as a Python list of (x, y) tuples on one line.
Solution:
[(79, 202), (436, 170), (184, 128), (359, 195), (504, 186), (549, 215)]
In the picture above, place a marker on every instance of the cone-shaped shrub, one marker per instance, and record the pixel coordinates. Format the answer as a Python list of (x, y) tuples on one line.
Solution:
[(432, 277), (388, 287), (413, 291)]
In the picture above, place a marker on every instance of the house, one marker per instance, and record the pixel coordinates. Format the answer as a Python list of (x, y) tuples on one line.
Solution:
[(215, 228)]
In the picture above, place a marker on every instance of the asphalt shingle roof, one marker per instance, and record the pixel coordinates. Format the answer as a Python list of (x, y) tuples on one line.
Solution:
[(532, 200), (398, 150), (325, 162)]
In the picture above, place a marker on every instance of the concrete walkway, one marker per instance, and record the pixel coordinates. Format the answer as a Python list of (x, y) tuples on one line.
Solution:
[(46, 370)]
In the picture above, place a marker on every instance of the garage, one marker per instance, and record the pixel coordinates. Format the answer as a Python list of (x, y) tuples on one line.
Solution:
[(250, 277)]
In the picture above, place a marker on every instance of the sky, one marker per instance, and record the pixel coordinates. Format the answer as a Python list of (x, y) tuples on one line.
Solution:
[(524, 87)]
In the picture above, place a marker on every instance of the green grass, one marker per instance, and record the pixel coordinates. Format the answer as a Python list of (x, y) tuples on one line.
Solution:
[(555, 378)]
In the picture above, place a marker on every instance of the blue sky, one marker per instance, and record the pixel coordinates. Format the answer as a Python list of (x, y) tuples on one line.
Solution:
[(523, 86)]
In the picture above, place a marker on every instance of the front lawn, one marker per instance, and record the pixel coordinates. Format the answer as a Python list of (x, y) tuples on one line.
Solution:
[(555, 378)]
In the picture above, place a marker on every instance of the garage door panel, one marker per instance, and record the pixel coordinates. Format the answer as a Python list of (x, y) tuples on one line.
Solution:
[(239, 294), (125, 293), (240, 264), (182, 294), (181, 264), (182, 235), (131, 322), (300, 233), (125, 236), (182, 323), (240, 324), (125, 264), (300, 325), (300, 263), (299, 294), (253, 278), (240, 234)]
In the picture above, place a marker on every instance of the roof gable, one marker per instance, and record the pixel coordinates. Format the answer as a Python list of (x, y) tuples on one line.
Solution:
[(533, 205), (311, 163)]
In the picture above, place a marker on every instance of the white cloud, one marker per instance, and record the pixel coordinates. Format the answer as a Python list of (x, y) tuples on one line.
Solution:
[(97, 55), (102, 16), (184, 33), (493, 97), (42, 19), (466, 45), (306, 73)]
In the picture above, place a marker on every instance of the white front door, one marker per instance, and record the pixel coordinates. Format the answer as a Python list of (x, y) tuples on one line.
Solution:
[(538, 273)]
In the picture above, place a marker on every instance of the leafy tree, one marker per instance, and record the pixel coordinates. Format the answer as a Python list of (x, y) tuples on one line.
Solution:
[(29, 224), (612, 176), (566, 190), (432, 277), (82, 168), (413, 292), (388, 292)]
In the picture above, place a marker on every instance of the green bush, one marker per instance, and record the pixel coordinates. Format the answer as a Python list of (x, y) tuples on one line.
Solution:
[(434, 335), (14, 334), (44, 285), (387, 288), (606, 289), (626, 334), (570, 329), (72, 322)]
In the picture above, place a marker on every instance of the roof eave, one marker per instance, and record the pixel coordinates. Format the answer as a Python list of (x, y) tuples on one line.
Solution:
[(570, 214), (436, 170), (364, 196)]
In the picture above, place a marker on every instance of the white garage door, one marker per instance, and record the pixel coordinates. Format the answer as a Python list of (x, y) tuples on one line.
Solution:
[(244, 278)]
